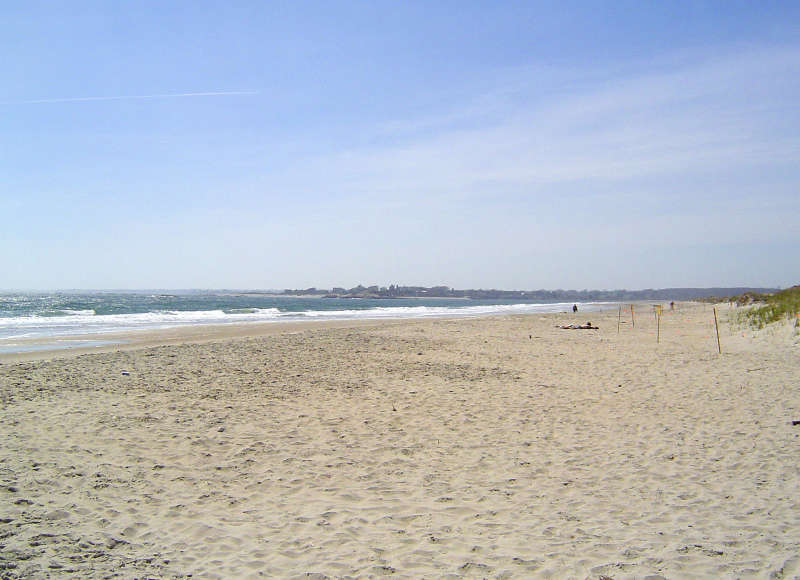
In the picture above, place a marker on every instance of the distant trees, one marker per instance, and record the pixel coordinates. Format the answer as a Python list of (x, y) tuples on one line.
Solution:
[(396, 291)]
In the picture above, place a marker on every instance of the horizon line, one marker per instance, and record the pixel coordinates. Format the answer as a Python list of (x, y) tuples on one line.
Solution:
[(284, 290)]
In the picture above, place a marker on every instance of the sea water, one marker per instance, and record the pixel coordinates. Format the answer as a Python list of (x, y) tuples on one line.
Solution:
[(43, 316)]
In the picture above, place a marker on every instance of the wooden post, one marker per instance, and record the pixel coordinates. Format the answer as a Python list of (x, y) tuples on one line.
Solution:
[(716, 325), (633, 318), (658, 326), (619, 317)]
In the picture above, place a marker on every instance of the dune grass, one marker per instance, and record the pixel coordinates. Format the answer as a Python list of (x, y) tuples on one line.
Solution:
[(779, 306)]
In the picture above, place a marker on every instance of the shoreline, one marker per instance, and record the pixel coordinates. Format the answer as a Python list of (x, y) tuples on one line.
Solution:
[(42, 348), (189, 334)]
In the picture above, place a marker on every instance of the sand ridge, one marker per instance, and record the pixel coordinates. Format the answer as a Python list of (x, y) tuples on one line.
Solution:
[(480, 448)]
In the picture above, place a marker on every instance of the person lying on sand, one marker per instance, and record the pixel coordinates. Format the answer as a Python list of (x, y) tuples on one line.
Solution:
[(587, 326)]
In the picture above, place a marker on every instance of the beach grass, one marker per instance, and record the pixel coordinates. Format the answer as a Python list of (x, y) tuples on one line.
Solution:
[(770, 308)]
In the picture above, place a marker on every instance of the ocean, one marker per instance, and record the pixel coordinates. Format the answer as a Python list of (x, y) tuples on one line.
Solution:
[(44, 316)]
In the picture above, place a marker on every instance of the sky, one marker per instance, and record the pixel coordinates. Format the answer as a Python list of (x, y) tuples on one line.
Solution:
[(513, 145)]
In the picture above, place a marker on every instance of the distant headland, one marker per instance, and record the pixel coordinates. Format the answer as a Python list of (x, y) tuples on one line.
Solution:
[(396, 291)]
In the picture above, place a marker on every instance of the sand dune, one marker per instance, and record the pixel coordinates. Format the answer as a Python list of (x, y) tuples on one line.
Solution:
[(480, 448)]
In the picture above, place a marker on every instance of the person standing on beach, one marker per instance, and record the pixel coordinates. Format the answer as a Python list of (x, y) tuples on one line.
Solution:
[(574, 307)]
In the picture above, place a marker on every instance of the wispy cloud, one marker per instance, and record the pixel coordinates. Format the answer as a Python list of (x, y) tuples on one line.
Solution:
[(129, 97), (701, 153), (713, 117)]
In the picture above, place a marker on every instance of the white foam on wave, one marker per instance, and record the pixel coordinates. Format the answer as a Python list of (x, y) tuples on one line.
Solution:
[(440, 311), (87, 322)]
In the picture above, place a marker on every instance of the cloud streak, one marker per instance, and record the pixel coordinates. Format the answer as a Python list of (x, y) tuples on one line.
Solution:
[(716, 118), (130, 97)]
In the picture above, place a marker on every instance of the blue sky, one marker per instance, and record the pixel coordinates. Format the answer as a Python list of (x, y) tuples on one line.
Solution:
[(474, 144)]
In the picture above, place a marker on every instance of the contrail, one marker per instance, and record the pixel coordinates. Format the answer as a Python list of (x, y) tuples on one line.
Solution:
[(130, 97)]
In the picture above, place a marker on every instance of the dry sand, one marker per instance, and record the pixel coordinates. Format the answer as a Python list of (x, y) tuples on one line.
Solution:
[(481, 448)]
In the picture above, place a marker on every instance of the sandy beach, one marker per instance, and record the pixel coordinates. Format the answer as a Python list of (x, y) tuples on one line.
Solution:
[(499, 447)]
